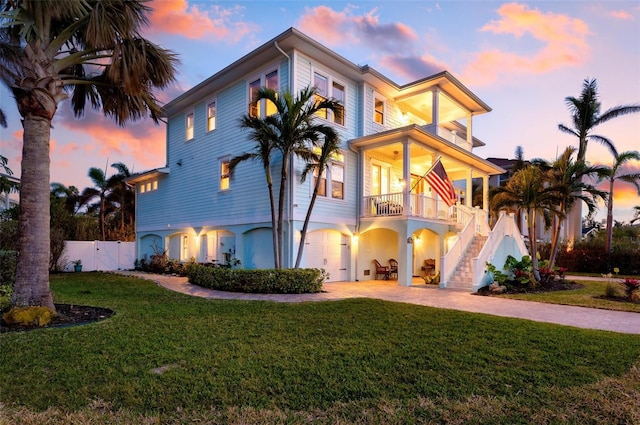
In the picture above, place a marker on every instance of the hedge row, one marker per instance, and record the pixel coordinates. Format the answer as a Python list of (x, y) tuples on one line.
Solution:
[(8, 261), (281, 281), (590, 257)]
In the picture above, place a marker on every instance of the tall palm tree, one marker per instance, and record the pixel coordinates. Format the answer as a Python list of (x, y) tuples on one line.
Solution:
[(569, 179), (585, 117), (330, 147), (123, 197), (528, 191), (72, 199), (100, 190), (92, 53), (290, 130), (612, 174)]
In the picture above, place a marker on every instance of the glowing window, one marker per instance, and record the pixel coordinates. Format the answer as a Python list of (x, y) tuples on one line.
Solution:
[(211, 116)]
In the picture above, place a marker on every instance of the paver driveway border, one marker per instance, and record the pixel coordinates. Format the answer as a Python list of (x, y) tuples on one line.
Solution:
[(580, 317)]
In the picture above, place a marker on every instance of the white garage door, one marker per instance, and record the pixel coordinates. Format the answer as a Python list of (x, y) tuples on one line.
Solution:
[(327, 249)]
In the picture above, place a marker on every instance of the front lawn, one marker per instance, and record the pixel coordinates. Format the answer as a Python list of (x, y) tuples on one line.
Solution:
[(170, 358), (591, 295)]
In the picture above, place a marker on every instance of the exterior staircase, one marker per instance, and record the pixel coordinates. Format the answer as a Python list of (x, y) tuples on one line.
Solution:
[(462, 277)]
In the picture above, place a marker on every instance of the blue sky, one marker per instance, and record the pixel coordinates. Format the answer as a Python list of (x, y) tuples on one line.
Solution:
[(522, 58)]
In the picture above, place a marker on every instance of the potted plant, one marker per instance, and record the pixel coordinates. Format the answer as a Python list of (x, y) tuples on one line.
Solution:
[(77, 265)]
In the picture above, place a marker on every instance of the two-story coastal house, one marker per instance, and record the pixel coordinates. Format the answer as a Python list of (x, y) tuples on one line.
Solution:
[(377, 204)]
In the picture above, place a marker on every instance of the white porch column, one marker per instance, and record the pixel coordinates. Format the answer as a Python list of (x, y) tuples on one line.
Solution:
[(470, 131), (406, 176), (485, 193), (468, 201), (435, 107), (405, 258)]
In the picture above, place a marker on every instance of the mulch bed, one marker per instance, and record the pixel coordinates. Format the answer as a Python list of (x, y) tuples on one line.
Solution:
[(546, 287), (67, 315)]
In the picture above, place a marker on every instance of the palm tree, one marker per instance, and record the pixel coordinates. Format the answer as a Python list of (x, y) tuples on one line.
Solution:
[(586, 116), (568, 177), (92, 53), (123, 196), (612, 174), (528, 191), (636, 215), (330, 148), (290, 130), (100, 190)]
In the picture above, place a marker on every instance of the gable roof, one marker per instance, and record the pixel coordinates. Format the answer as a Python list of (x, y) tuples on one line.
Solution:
[(292, 39)]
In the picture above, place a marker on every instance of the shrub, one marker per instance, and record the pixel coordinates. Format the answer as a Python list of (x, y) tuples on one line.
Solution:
[(630, 286), (272, 281), (28, 316), (8, 261)]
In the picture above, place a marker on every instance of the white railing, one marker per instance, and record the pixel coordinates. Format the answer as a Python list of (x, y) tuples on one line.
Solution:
[(482, 218), (505, 227), (389, 204), (449, 261)]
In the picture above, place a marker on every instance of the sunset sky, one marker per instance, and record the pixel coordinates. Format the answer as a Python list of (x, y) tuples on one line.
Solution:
[(521, 58)]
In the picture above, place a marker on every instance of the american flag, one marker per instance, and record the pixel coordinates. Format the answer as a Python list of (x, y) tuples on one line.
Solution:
[(439, 181)]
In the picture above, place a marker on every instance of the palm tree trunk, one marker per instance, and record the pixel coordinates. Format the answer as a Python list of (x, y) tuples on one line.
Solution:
[(609, 239), (34, 240), (531, 217), (274, 232), (281, 196), (555, 237)]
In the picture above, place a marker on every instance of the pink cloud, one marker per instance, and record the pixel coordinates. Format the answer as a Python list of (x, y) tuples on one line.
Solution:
[(564, 43), (340, 27), (621, 14), (177, 17), (412, 67)]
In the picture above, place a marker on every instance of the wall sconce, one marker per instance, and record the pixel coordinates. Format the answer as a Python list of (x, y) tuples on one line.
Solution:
[(409, 240)]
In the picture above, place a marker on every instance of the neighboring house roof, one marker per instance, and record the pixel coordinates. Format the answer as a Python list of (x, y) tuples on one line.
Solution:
[(292, 39)]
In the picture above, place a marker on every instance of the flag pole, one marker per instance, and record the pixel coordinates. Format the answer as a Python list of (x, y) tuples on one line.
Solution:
[(425, 174)]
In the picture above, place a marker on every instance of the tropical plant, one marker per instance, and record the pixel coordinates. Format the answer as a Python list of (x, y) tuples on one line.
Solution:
[(100, 191), (290, 130), (568, 177), (92, 53), (585, 117), (612, 174), (636, 215), (330, 148), (528, 191), (122, 197)]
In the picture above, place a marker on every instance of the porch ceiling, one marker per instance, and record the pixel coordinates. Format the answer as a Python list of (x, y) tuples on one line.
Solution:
[(425, 148)]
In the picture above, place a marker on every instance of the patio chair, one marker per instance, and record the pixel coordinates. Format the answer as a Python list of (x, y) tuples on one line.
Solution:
[(429, 267), (381, 270), (393, 268)]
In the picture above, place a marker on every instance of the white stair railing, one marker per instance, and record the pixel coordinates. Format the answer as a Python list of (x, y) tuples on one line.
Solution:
[(449, 261), (505, 227)]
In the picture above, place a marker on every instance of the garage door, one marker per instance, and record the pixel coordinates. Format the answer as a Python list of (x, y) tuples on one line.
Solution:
[(327, 249)]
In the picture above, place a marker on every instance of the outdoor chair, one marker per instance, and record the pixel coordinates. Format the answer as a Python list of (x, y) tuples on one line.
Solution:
[(393, 268), (381, 270)]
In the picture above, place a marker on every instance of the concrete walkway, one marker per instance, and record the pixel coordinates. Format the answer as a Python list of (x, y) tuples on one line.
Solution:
[(580, 317)]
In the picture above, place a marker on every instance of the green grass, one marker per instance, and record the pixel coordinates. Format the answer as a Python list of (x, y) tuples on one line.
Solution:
[(589, 296), (354, 361)]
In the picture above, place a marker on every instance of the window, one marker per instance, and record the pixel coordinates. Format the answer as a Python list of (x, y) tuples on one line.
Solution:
[(189, 125), (325, 89), (224, 175), (378, 110), (149, 186), (185, 247), (261, 108), (333, 174), (211, 116), (379, 180)]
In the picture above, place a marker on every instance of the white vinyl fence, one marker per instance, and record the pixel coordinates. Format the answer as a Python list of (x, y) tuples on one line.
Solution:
[(98, 255)]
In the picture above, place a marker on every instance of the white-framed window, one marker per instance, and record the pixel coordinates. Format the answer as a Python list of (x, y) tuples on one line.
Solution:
[(149, 186), (332, 176), (185, 248), (211, 115), (263, 107), (327, 87), (378, 108), (189, 123), (224, 174), (379, 179)]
